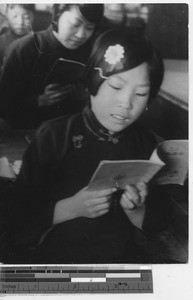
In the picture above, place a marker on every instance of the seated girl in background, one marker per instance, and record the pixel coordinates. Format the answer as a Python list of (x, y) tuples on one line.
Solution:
[(26, 97), (55, 217), (19, 19)]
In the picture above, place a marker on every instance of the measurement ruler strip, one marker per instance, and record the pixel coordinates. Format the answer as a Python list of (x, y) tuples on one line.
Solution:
[(73, 268), (49, 287), (123, 275), (14, 272), (99, 279), (110, 276)]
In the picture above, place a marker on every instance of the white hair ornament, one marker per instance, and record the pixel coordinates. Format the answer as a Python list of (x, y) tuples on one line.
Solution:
[(113, 56)]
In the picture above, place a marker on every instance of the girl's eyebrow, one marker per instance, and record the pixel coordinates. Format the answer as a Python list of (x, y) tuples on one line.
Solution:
[(118, 77), (144, 84), (77, 19), (82, 20)]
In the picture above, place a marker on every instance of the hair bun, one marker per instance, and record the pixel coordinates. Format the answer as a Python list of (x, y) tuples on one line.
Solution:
[(92, 12)]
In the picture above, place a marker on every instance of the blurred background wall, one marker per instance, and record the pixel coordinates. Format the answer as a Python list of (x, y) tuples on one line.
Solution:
[(167, 27), (165, 24)]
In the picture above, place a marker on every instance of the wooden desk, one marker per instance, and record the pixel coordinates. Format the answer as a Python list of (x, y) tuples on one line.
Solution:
[(175, 83), (168, 113)]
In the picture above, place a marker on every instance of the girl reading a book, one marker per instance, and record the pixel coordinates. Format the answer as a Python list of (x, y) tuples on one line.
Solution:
[(57, 218), (26, 97)]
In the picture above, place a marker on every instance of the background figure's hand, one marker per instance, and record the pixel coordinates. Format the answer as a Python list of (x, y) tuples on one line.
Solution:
[(85, 203), (134, 196), (54, 93)]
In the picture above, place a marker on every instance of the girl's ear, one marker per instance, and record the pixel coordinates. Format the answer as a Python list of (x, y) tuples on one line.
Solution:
[(91, 100), (55, 26)]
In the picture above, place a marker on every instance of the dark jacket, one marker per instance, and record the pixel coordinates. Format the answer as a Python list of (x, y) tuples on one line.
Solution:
[(58, 163), (5, 40)]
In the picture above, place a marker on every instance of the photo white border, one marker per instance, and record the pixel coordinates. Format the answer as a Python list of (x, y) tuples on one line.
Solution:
[(170, 281)]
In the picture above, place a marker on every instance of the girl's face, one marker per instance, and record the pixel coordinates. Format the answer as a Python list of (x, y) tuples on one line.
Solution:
[(73, 29), (122, 98), (19, 19)]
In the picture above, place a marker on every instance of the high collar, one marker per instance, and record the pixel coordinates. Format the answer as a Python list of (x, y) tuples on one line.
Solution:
[(56, 43), (98, 129), (11, 35), (53, 40)]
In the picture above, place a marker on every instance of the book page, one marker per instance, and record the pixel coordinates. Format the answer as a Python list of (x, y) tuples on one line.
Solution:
[(5, 169), (120, 173), (174, 153)]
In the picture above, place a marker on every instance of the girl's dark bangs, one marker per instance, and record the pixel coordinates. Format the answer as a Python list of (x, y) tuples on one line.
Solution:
[(130, 61)]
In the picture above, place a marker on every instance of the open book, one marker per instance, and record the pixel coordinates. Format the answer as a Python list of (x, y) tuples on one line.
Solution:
[(9, 170), (12, 147), (168, 164), (65, 71)]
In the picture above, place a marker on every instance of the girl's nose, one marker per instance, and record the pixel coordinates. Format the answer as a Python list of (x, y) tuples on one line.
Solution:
[(126, 100), (80, 32), (20, 20)]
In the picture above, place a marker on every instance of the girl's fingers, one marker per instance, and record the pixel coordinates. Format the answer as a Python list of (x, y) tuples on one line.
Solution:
[(132, 192), (128, 203), (104, 206), (138, 193), (102, 193), (134, 198), (143, 190), (54, 96), (52, 86), (101, 212), (101, 200)]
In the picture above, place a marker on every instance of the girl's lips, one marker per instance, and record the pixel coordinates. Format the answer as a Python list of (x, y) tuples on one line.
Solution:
[(77, 41), (20, 29), (119, 117)]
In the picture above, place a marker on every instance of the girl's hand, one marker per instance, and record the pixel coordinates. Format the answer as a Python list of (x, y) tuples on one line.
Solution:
[(134, 196), (92, 204), (133, 203), (85, 203)]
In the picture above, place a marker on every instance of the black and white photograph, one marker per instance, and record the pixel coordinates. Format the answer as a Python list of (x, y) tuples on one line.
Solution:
[(94, 134)]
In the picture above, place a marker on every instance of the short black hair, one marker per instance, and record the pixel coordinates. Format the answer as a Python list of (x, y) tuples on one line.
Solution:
[(30, 7), (91, 12), (137, 50)]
